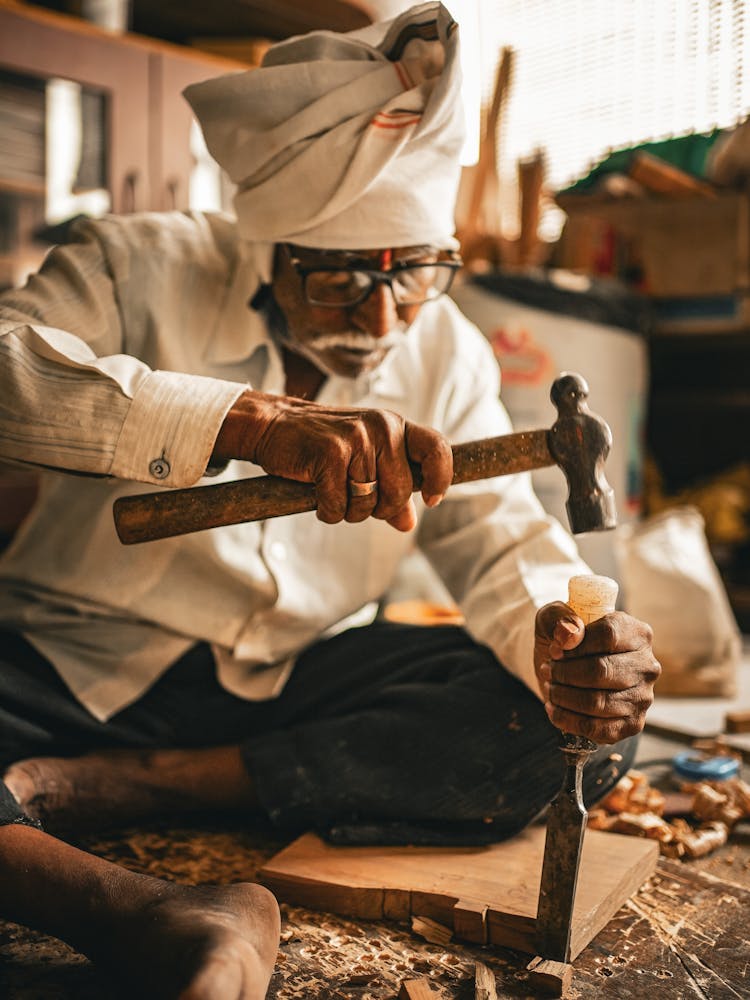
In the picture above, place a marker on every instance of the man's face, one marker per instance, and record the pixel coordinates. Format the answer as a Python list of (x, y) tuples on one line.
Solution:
[(341, 340)]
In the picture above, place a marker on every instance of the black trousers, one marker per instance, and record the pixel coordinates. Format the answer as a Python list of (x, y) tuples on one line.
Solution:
[(388, 733)]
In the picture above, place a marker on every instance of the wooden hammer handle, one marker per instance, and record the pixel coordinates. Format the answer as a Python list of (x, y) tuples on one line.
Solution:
[(146, 517)]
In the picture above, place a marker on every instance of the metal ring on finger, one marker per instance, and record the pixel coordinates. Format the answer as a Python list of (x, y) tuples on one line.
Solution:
[(357, 489)]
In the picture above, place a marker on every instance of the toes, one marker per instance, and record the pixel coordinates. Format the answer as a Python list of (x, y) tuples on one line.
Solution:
[(219, 979)]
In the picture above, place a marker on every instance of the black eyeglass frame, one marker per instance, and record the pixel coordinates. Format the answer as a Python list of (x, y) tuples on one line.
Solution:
[(452, 263)]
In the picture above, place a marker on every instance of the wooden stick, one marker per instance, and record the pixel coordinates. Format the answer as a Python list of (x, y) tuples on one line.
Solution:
[(486, 169), (484, 983), (664, 178)]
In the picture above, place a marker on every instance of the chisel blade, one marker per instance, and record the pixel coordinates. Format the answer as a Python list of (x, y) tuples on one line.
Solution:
[(566, 824)]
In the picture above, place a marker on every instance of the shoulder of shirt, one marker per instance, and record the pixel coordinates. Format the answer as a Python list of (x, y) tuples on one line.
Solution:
[(443, 353), (445, 334), (196, 235)]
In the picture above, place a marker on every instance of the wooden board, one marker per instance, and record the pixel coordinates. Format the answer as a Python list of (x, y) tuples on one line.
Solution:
[(486, 894)]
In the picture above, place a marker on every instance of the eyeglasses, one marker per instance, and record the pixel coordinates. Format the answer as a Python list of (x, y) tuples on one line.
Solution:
[(411, 282)]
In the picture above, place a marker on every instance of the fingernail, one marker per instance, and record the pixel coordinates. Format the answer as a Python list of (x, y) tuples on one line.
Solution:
[(434, 500), (567, 627), (545, 671)]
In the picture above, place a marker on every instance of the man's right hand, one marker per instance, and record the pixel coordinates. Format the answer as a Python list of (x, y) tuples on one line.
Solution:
[(331, 446)]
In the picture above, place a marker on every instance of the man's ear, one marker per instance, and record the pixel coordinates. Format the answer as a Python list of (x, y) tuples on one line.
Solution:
[(262, 298)]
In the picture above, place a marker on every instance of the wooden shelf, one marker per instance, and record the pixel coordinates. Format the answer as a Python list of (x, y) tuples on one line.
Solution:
[(24, 188), (181, 20)]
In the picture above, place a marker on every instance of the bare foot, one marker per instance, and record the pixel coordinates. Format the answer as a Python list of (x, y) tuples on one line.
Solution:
[(195, 943), (124, 786), (155, 940)]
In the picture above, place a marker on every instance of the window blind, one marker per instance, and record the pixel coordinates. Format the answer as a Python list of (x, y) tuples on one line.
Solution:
[(595, 75)]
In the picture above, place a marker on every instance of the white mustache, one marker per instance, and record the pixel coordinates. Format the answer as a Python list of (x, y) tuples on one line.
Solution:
[(352, 340)]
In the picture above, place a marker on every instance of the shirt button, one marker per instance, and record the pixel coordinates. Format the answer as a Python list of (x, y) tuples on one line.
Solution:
[(278, 551), (159, 468)]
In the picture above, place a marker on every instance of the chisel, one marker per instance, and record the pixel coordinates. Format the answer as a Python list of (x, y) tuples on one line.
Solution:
[(590, 597)]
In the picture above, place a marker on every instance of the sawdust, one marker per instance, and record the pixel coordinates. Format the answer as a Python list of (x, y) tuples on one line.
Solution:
[(376, 958), (325, 957)]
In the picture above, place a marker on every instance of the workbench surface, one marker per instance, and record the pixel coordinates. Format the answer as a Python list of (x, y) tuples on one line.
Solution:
[(684, 934)]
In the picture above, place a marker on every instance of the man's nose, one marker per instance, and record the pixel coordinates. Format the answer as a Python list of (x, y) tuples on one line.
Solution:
[(377, 315)]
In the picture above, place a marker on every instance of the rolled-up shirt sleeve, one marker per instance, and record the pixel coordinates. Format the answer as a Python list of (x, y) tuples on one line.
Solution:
[(72, 398)]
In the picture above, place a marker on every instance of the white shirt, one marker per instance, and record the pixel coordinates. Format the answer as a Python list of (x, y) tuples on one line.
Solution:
[(121, 359)]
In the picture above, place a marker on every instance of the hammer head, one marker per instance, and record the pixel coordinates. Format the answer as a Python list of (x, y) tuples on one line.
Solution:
[(579, 441)]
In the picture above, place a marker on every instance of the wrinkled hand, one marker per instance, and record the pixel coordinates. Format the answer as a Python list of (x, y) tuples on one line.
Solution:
[(596, 681), (329, 446)]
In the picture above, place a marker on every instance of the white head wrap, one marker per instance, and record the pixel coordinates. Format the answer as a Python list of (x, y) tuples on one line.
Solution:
[(344, 141)]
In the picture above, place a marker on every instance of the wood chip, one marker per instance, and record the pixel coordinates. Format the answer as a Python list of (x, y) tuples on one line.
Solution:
[(359, 977), (643, 825), (553, 978), (674, 849), (708, 802), (737, 722), (484, 983), (600, 819), (705, 839), (431, 930), (416, 989)]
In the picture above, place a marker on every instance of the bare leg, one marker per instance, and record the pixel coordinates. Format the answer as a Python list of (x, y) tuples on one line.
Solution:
[(165, 941), (125, 786)]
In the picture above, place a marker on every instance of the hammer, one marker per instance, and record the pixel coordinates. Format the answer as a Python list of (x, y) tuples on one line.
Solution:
[(579, 442)]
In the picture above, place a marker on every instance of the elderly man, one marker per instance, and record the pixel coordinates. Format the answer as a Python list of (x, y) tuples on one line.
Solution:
[(242, 668)]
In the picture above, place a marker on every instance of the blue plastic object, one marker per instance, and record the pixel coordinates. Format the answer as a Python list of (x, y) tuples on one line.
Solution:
[(690, 766)]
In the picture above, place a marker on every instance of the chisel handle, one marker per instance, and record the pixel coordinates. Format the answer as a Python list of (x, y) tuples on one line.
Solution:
[(591, 597)]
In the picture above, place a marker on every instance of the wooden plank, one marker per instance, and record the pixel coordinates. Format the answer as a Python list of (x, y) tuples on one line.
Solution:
[(503, 878)]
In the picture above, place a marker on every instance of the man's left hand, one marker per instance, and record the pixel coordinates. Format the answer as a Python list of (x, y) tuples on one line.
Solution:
[(597, 681)]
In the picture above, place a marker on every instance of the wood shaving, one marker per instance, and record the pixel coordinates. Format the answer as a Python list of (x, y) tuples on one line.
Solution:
[(431, 930), (635, 809)]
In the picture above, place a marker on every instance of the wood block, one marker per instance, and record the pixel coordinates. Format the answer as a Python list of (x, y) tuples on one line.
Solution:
[(503, 878), (554, 978)]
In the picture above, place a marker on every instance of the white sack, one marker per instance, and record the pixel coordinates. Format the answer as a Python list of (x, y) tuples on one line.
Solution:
[(671, 581)]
